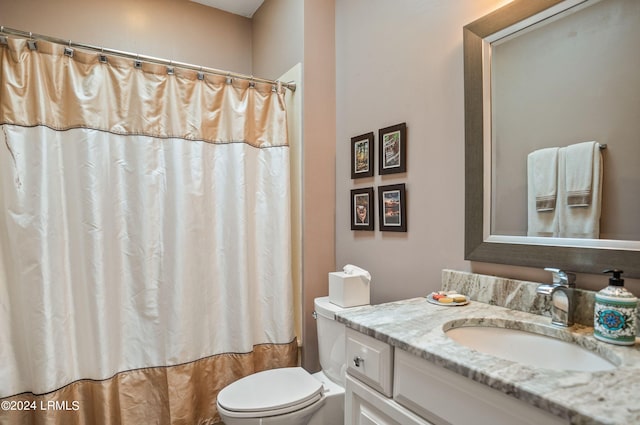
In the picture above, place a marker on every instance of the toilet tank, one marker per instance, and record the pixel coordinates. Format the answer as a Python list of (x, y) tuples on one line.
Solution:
[(331, 340)]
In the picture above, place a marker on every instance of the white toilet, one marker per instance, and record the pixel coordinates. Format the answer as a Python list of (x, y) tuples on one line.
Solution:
[(292, 396)]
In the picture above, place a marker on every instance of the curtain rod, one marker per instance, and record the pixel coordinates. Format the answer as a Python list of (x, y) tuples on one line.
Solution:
[(150, 59)]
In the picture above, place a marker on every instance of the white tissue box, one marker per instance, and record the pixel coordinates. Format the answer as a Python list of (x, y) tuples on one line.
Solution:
[(346, 290)]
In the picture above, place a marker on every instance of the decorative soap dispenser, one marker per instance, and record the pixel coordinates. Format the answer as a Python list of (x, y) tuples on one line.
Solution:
[(614, 318)]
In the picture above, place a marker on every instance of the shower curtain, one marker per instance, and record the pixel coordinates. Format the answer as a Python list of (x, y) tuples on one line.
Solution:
[(144, 238)]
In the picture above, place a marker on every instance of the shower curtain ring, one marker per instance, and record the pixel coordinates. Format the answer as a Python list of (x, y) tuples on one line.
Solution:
[(68, 51), (200, 74), (31, 43), (102, 57)]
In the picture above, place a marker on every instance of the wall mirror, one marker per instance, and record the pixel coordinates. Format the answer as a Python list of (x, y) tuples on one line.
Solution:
[(545, 73)]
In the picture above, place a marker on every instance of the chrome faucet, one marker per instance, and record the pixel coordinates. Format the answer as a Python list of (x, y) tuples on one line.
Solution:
[(562, 296)]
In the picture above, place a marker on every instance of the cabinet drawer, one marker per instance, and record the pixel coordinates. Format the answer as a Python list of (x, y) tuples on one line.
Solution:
[(370, 360)]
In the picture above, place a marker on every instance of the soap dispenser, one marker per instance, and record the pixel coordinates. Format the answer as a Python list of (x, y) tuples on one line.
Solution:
[(615, 312)]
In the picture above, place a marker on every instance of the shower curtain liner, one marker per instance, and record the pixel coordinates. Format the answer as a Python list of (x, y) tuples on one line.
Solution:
[(144, 239)]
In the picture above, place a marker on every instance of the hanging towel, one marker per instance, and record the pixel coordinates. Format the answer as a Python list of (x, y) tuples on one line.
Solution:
[(543, 168), (542, 190), (579, 221), (579, 173)]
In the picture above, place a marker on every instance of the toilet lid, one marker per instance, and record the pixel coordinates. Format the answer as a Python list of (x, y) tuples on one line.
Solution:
[(284, 390)]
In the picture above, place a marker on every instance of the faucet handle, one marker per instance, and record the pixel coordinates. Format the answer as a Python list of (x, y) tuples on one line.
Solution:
[(560, 277)]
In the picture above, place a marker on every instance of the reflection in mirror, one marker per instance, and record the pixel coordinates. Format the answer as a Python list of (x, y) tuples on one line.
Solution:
[(570, 78), (552, 74)]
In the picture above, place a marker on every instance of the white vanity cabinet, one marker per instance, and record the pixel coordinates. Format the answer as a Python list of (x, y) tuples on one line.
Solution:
[(389, 386)]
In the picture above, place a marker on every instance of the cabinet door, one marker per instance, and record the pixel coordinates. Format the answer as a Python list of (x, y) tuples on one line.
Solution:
[(365, 406), (369, 415), (430, 391)]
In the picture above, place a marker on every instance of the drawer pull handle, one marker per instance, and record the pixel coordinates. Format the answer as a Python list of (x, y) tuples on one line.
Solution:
[(357, 361)]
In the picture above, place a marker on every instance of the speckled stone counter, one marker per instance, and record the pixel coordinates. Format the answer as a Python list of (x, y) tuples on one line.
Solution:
[(418, 327)]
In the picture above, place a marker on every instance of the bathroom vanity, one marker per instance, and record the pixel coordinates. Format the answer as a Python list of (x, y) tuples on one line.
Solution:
[(404, 369)]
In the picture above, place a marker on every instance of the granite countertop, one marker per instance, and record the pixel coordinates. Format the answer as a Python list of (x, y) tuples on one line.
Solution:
[(417, 326)]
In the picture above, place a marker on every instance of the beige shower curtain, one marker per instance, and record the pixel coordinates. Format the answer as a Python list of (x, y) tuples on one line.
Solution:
[(144, 238)]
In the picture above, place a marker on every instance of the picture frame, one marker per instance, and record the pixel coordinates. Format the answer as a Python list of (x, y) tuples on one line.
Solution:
[(392, 149), (362, 209), (362, 152), (392, 207)]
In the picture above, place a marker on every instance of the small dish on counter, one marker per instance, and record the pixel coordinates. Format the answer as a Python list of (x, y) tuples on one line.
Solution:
[(447, 299)]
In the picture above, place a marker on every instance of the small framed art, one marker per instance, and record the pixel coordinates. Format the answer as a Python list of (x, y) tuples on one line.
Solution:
[(392, 208), (392, 155), (362, 156), (362, 209)]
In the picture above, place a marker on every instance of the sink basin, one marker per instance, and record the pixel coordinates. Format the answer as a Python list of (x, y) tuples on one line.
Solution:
[(527, 348)]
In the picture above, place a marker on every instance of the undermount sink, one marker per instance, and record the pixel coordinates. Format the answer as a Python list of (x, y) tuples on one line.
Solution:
[(528, 348)]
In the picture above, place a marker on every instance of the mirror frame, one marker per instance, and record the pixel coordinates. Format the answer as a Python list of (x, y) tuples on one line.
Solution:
[(576, 259)]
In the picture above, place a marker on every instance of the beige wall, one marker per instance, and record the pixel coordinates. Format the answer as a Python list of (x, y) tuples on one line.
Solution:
[(278, 37), (178, 30), (403, 62), (287, 32), (319, 121)]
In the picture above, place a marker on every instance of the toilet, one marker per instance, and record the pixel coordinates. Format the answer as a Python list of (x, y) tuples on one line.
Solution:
[(291, 395)]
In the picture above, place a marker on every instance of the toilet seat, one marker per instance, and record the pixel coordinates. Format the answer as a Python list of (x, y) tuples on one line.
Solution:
[(270, 393)]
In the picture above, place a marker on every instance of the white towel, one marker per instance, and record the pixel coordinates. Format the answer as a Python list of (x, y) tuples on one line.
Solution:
[(542, 191), (584, 221), (579, 173), (543, 166)]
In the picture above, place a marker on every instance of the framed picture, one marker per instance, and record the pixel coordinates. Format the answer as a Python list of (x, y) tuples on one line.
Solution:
[(362, 209), (392, 155), (392, 208), (362, 156)]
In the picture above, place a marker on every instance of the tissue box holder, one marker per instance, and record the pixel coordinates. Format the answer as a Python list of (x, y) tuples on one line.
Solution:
[(347, 290)]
